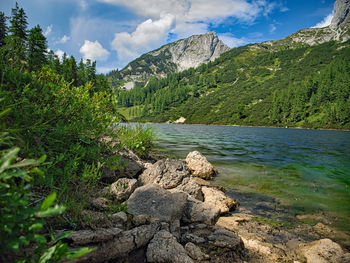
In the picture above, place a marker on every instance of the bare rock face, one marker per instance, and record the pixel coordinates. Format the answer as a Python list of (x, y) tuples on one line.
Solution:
[(200, 166), (123, 188), (341, 13), (168, 174), (157, 204), (324, 251), (164, 248), (216, 198)]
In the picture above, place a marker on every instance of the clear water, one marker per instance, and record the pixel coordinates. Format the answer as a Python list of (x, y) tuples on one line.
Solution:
[(303, 171)]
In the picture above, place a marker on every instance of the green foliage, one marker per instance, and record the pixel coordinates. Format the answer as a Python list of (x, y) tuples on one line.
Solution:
[(252, 85), (37, 47), (20, 220), (138, 139)]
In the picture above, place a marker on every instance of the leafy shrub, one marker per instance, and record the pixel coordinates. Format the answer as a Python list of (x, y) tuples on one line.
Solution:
[(138, 138)]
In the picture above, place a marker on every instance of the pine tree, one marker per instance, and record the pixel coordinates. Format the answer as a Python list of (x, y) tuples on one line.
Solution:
[(37, 48), (19, 23), (3, 29)]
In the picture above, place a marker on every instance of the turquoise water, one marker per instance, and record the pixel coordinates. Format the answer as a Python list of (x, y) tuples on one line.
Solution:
[(299, 171)]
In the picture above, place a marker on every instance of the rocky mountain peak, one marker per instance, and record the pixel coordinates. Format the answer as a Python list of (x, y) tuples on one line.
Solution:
[(341, 13)]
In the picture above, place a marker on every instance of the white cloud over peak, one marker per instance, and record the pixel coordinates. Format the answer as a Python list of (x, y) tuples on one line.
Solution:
[(48, 30), (93, 51), (59, 54), (325, 22), (232, 41), (148, 35)]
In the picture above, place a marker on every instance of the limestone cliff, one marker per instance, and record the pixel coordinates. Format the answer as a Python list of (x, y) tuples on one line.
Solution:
[(175, 57)]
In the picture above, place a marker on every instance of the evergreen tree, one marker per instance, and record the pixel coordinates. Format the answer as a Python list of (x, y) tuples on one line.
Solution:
[(37, 48), (19, 23), (3, 29)]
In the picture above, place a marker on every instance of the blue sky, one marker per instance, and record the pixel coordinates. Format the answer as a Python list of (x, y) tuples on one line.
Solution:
[(114, 32)]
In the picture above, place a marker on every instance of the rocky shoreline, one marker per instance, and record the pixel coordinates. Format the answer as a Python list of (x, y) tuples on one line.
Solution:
[(175, 215)]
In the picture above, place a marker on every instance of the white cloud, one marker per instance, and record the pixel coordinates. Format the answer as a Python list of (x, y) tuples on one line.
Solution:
[(64, 39), (93, 51), (83, 4), (232, 41), (59, 54), (48, 30), (272, 28), (148, 35), (325, 22)]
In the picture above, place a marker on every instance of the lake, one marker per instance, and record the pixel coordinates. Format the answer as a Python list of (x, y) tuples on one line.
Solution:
[(274, 172)]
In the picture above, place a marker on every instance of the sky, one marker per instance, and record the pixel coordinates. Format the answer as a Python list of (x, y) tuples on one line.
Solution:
[(114, 32)]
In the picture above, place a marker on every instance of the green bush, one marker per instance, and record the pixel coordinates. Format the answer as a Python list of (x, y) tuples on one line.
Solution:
[(138, 139)]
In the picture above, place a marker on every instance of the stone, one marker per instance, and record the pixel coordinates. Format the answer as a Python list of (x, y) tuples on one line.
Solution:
[(123, 188), (84, 237), (118, 245), (216, 198), (221, 237), (198, 212), (180, 120), (190, 187), (168, 174), (156, 203), (200, 166), (165, 248), (195, 252), (101, 203), (189, 237), (120, 216), (323, 251)]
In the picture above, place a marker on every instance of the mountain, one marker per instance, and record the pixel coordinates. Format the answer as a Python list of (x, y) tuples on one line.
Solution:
[(288, 82), (175, 57), (338, 30)]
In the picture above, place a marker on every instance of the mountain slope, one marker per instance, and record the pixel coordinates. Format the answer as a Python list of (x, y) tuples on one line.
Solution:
[(284, 84), (174, 57)]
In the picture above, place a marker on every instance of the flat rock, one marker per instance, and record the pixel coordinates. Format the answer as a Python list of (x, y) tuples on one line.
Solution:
[(200, 166), (156, 203), (219, 199), (190, 186), (167, 173), (165, 248), (221, 237), (199, 212), (323, 251), (122, 188)]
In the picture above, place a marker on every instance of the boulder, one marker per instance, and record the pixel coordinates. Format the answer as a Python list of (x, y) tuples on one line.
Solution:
[(165, 248), (224, 238), (197, 211), (195, 252), (190, 187), (216, 198), (323, 251), (101, 203), (123, 188), (84, 237), (120, 217), (200, 166), (116, 244), (157, 204), (168, 174)]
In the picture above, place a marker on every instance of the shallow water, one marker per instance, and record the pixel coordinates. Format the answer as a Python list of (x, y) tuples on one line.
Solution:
[(299, 171)]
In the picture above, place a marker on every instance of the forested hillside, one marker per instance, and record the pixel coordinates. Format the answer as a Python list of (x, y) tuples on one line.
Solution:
[(253, 85)]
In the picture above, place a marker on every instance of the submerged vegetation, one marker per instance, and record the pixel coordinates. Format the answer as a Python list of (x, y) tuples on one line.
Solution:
[(57, 112)]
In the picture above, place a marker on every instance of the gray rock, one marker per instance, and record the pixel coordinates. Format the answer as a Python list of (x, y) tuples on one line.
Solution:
[(200, 166), (341, 13), (189, 237), (156, 203), (323, 251), (195, 252), (164, 248), (119, 245), (123, 188), (120, 216), (190, 186), (84, 237), (101, 203), (216, 198), (197, 211), (168, 174), (221, 237)]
